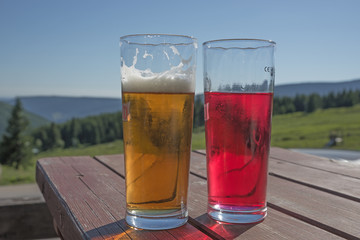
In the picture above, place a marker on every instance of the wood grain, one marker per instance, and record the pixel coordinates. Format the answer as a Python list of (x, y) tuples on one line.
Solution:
[(307, 203), (297, 169), (86, 197), (282, 226), (313, 162), (87, 201), (337, 184), (336, 214)]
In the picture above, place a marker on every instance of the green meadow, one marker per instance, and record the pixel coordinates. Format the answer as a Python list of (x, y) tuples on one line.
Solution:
[(310, 130), (301, 130), (295, 130), (12, 176)]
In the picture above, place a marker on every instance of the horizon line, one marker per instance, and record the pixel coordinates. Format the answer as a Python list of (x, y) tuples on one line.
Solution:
[(119, 97)]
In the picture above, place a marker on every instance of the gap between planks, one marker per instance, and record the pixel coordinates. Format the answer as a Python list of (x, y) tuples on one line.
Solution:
[(300, 217), (191, 221), (313, 222), (302, 165), (346, 196)]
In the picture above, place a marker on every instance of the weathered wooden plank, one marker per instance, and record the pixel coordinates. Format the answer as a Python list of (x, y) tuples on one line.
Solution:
[(202, 151), (322, 207), (314, 162), (113, 162), (320, 173), (327, 211), (276, 226), (338, 184), (198, 164), (87, 200), (65, 221), (336, 214), (346, 186)]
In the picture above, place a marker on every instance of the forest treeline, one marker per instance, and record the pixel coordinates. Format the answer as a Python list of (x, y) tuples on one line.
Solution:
[(309, 103), (108, 127), (89, 131), (17, 146)]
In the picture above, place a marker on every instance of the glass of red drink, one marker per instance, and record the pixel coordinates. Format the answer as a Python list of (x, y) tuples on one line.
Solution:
[(239, 79)]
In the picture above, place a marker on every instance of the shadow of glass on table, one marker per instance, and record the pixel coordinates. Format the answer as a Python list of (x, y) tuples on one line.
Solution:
[(220, 230), (114, 230), (121, 230)]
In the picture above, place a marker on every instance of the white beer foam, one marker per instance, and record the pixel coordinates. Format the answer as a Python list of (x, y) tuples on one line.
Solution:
[(171, 81), (175, 80)]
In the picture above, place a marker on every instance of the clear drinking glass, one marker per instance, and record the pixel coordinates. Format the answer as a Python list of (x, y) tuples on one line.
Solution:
[(158, 85), (239, 79)]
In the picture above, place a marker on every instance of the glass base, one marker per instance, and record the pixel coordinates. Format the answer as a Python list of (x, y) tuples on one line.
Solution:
[(156, 220), (237, 216)]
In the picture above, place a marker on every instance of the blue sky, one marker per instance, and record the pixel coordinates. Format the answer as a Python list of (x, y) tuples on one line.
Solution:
[(71, 48)]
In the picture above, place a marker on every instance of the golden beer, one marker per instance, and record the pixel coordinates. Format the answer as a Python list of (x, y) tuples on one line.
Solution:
[(157, 142), (158, 85)]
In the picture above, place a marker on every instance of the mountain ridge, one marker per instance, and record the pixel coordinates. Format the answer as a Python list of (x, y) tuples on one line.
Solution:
[(60, 109), (5, 113), (321, 88)]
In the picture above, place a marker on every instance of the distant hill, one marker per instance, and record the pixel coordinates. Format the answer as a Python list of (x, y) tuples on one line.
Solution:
[(322, 88), (60, 109), (5, 112)]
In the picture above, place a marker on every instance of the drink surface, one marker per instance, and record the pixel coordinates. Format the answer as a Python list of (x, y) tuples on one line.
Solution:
[(238, 127), (157, 142)]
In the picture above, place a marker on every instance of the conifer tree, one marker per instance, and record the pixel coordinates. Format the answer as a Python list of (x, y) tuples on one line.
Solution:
[(14, 147), (54, 137)]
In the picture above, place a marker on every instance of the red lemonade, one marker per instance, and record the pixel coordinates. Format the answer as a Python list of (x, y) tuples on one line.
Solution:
[(238, 127)]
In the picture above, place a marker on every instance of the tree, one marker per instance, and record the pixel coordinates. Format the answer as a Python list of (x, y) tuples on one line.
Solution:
[(54, 137), (345, 99), (15, 146), (300, 102), (277, 106), (41, 138), (314, 102), (329, 101), (288, 104), (198, 113), (356, 96), (70, 133)]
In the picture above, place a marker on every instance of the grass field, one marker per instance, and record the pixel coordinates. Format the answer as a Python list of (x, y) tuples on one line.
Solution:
[(12, 176), (296, 130), (299, 130)]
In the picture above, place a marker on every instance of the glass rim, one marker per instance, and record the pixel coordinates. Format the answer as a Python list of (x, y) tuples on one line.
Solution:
[(130, 39), (267, 43)]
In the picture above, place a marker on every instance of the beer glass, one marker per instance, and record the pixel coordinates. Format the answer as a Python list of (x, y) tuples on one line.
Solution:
[(238, 87), (158, 85)]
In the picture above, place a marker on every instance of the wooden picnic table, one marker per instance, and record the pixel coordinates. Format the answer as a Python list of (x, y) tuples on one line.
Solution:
[(308, 198)]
